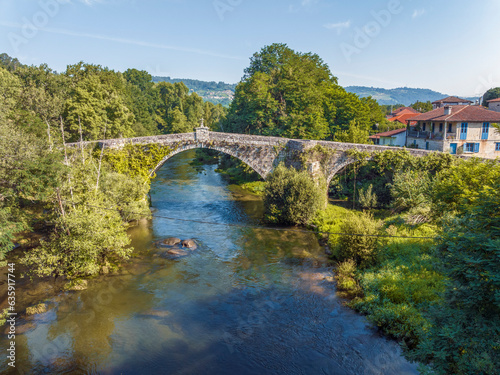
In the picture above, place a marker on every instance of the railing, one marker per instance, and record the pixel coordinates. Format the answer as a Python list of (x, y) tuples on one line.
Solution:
[(417, 134)]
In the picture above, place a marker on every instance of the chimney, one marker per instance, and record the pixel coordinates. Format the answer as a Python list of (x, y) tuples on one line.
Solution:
[(447, 110)]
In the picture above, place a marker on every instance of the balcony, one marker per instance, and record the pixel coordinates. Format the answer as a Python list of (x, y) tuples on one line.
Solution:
[(429, 135), (418, 134)]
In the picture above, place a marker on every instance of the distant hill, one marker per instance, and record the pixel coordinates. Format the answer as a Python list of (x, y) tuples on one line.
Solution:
[(400, 95), (215, 92), (220, 92)]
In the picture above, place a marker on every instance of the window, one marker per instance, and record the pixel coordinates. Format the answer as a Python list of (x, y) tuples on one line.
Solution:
[(450, 128), (463, 130), (471, 147), (486, 128), (432, 127), (423, 127), (441, 127), (497, 146)]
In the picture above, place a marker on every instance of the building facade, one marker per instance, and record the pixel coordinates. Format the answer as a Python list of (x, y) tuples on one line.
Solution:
[(457, 129), (494, 105), (395, 137), (450, 100)]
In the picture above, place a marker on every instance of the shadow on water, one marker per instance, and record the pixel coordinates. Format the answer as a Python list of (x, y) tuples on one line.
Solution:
[(246, 301)]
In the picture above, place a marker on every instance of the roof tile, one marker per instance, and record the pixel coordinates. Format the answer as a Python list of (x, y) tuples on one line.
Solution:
[(460, 113)]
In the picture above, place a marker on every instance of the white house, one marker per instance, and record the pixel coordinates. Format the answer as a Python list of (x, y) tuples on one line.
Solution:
[(391, 138), (457, 129), (450, 100)]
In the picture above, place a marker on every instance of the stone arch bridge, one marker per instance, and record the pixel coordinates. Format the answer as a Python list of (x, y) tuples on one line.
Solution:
[(261, 153)]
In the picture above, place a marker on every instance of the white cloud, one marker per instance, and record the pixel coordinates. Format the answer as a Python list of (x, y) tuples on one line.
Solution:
[(418, 13), (339, 26)]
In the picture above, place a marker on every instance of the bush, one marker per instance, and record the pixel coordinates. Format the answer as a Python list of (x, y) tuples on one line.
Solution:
[(292, 197), (346, 281), (367, 198), (86, 238), (410, 188), (358, 241)]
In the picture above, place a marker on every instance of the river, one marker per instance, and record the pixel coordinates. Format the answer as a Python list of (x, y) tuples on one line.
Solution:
[(247, 301)]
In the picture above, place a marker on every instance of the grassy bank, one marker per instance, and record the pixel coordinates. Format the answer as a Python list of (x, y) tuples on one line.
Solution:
[(399, 279)]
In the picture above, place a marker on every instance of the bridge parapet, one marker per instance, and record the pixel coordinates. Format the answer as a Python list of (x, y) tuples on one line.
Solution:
[(261, 153)]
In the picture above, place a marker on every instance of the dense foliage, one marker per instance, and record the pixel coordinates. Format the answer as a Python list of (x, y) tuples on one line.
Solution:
[(464, 336), (381, 171), (439, 294), (422, 106), (292, 94), (491, 94), (292, 197)]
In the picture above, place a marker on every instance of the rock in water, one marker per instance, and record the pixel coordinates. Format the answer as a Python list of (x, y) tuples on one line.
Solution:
[(171, 241), (190, 244), (174, 253)]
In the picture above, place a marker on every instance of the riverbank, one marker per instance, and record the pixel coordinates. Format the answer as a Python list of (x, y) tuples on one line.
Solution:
[(400, 283)]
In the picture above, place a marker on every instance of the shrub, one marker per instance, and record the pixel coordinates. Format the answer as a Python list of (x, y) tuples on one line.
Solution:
[(367, 198), (346, 281), (359, 239), (410, 188), (292, 197)]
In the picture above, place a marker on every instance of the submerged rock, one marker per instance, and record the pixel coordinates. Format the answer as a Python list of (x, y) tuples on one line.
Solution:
[(174, 253), (75, 285), (190, 244), (38, 309), (171, 241)]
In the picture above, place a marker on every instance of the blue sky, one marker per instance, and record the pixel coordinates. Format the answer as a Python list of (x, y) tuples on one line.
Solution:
[(448, 46)]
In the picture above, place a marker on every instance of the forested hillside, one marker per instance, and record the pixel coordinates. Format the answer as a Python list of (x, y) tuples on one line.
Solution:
[(400, 95), (214, 92)]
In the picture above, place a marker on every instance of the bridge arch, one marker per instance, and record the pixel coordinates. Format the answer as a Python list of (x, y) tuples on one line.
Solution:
[(259, 170)]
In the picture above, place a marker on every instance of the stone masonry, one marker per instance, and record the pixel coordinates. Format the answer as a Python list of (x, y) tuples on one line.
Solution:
[(261, 153)]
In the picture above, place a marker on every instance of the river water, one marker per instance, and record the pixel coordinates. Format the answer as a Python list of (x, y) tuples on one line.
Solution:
[(247, 301)]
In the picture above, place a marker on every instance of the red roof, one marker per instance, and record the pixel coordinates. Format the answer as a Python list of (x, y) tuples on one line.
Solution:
[(460, 113), (494, 100), (402, 110), (403, 117), (452, 99), (390, 133)]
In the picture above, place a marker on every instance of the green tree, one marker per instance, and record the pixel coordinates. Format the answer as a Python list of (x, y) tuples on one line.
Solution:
[(455, 189), (143, 100), (422, 106), (29, 173), (354, 134), (376, 113), (283, 94), (86, 238), (292, 197), (464, 337), (493, 93), (359, 240), (98, 108), (410, 189), (178, 123)]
